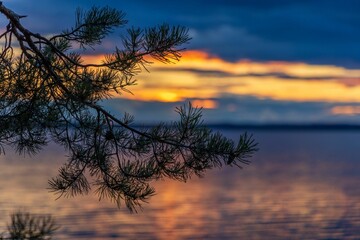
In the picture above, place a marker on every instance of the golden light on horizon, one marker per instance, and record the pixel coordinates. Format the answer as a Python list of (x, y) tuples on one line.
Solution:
[(168, 96), (297, 90), (163, 94), (201, 76)]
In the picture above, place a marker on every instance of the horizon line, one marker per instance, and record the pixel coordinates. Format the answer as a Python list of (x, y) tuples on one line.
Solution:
[(274, 126)]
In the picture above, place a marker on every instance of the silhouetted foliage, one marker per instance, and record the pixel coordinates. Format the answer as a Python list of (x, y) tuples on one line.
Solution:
[(48, 93), (26, 226)]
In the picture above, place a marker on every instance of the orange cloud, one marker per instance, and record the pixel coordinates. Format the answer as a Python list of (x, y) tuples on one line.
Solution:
[(345, 110), (183, 79), (204, 103), (203, 61), (297, 90)]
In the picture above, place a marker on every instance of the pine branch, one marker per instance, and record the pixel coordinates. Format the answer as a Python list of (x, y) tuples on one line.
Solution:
[(49, 94)]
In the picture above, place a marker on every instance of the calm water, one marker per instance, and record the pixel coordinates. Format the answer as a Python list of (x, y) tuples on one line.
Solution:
[(301, 185)]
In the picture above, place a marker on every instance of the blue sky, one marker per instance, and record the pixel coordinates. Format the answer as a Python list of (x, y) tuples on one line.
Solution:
[(314, 33), (324, 32)]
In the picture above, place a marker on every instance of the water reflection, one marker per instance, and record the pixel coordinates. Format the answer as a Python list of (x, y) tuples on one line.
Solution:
[(301, 185), (24, 225)]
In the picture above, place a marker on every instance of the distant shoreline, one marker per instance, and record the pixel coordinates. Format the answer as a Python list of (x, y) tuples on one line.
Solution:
[(277, 126), (287, 126)]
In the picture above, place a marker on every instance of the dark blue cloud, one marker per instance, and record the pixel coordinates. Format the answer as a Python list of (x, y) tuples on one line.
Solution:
[(317, 31), (237, 110)]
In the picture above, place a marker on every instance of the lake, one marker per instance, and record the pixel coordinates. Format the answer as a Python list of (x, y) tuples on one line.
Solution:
[(300, 185)]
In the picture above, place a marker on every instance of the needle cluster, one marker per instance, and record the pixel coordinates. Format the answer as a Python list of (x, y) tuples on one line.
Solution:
[(47, 93)]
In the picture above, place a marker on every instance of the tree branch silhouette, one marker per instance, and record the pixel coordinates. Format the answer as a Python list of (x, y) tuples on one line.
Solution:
[(25, 226), (48, 93)]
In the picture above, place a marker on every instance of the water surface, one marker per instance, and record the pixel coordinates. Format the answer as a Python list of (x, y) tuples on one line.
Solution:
[(300, 185)]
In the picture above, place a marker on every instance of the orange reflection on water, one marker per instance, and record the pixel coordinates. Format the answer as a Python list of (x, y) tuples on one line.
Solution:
[(299, 186), (245, 205), (174, 214)]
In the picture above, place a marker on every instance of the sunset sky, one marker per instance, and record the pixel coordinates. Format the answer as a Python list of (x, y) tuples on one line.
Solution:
[(259, 61)]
